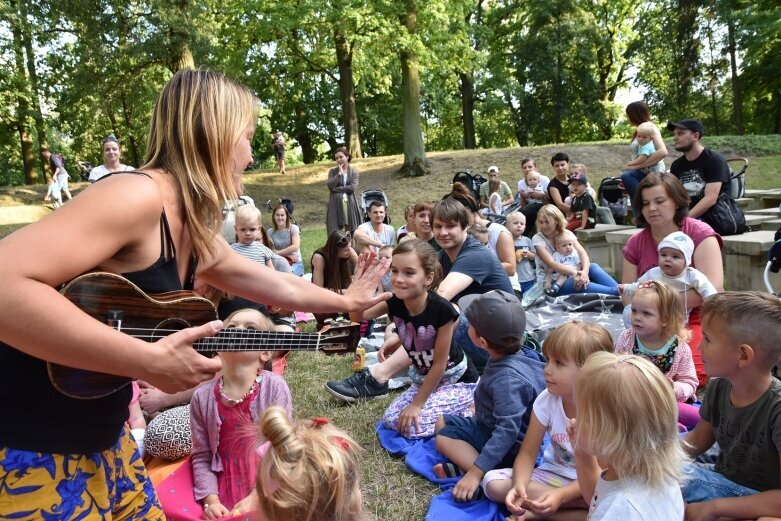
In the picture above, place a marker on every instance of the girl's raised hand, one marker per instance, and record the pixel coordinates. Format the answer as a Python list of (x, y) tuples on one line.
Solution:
[(368, 273), (409, 418)]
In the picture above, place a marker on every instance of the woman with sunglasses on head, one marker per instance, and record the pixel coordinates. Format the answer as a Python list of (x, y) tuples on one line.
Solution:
[(112, 159), (333, 266)]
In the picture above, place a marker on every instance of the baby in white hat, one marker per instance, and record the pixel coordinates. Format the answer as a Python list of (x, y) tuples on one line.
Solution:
[(675, 258)]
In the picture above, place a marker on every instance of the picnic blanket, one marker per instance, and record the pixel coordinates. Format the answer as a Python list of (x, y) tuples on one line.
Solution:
[(547, 313), (420, 455)]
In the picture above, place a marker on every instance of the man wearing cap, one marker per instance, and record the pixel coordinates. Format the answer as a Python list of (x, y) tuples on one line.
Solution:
[(504, 189), (703, 172)]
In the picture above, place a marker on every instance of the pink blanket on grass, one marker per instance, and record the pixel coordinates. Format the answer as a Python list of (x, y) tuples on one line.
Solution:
[(176, 496)]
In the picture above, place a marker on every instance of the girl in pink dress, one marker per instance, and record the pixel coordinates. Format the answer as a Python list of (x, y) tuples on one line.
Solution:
[(222, 418)]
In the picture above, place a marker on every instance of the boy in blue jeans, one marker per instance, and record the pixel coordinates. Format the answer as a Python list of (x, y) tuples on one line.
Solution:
[(741, 410), (503, 399)]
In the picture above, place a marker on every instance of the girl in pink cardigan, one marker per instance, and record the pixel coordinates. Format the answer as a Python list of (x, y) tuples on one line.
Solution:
[(659, 334), (221, 417)]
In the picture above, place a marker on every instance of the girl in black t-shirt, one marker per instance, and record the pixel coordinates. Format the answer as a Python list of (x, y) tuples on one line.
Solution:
[(443, 376)]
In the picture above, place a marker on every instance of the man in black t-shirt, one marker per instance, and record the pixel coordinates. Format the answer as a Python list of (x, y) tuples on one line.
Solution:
[(703, 172)]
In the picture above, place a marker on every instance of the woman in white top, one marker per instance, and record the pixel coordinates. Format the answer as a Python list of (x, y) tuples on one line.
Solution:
[(112, 155)]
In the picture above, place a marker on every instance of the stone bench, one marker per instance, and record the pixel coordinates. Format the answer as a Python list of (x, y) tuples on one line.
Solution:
[(754, 220), (764, 198), (772, 224), (773, 212), (593, 241), (616, 241), (745, 258)]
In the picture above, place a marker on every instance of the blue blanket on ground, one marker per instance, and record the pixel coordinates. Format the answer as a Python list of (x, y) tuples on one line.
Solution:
[(421, 456)]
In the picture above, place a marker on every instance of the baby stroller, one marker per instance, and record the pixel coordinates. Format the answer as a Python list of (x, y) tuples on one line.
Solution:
[(472, 181), (737, 181), (612, 195), (369, 196)]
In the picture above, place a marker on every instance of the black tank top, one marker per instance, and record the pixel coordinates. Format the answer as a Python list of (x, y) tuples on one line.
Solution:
[(37, 417)]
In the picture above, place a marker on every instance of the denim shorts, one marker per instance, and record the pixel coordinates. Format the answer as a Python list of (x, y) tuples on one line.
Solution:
[(475, 434), (702, 483)]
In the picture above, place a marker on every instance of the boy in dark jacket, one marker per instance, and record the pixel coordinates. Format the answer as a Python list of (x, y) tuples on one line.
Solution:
[(503, 399)]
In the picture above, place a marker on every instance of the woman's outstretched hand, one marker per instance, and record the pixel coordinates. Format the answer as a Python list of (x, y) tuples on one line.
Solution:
[(362, 291)]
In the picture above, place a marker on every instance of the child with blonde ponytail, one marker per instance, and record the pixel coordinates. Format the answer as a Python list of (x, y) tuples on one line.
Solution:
[(308, 471)]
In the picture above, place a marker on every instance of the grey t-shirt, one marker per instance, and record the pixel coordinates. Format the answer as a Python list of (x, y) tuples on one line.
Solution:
[(749, 437), (524, 269)]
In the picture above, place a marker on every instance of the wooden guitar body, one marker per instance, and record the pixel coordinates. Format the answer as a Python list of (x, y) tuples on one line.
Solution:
[(117, 302)]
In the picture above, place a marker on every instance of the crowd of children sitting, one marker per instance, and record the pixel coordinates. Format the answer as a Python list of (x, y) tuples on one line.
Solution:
[(610, 411), (619, 422)]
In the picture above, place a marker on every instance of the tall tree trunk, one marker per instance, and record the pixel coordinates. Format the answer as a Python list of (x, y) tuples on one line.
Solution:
[(32, 73), (344, 61), (467, 88), (737, 101), (22, 97), (132, 145), (687, 43), (415, 162), (180, 54)]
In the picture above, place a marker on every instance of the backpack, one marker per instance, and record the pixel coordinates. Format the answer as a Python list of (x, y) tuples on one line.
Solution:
[(62, 161)]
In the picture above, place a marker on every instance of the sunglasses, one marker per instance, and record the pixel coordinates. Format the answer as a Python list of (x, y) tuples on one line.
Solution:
[(344, 239)]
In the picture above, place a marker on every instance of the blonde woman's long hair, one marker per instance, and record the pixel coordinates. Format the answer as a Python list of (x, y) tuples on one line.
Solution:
[(196, 123), (309, 473), (628, 417)]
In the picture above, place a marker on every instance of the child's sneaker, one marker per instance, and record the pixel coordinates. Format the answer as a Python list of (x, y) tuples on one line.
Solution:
[(360, 386), (553, 290)]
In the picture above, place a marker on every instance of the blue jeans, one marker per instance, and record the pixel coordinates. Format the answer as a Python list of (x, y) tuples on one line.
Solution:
[(298, 268), (631, 179), (599, 282), (705, 484)]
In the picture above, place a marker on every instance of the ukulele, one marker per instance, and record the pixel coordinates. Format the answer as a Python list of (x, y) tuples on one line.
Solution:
[(117, 302)]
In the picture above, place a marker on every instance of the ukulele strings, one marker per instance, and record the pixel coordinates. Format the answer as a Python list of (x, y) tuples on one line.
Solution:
[(240, 339)]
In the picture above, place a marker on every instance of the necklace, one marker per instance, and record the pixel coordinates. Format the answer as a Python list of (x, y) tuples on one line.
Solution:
[(230, 401)]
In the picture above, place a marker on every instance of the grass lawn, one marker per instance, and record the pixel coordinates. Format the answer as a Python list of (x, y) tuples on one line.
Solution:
[(391, 492)]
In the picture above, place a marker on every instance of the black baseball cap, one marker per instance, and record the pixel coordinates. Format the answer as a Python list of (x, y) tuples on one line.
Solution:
[(688, 124)]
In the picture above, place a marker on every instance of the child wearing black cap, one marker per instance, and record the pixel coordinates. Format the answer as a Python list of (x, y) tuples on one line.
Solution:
[(510, 383), (583, 210)]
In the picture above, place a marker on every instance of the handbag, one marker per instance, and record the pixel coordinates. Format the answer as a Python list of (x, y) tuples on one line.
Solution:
[(725, 217)]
